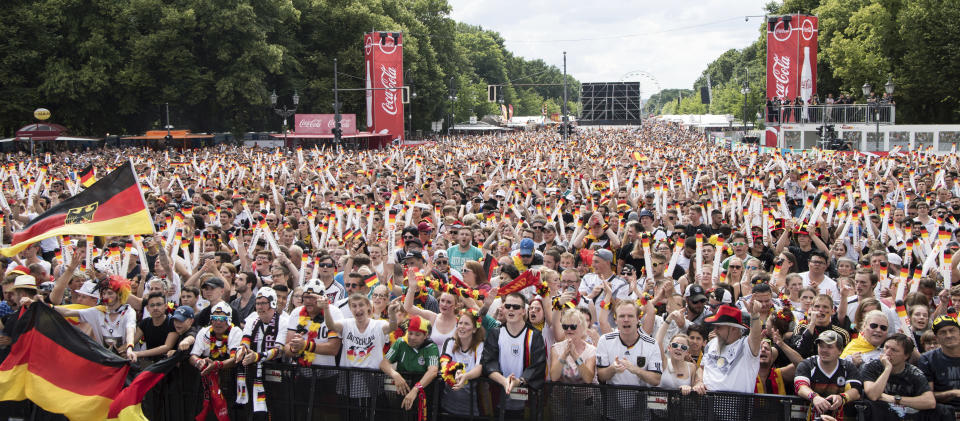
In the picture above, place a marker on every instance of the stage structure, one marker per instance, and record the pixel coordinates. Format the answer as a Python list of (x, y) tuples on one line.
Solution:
[(612, 103)]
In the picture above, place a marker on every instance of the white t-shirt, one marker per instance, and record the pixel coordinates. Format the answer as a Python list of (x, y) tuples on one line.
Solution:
[(591, 280), (828, 286), (201, 347), (732, 370), (323, 335), (362, 349), (110, 332), (643, 353), (251, 321)]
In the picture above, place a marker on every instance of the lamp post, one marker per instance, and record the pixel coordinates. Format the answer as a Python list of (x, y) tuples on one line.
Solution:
[(745, 90), (408, 80), (873, 108), (284, 112), (452, 97)]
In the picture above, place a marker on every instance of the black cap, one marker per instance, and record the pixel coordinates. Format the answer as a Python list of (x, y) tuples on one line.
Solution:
[(697, 293), (213, 283)]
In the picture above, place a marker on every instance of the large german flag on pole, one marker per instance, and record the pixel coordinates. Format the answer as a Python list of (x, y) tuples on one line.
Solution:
[(113, 205), (59, 368)]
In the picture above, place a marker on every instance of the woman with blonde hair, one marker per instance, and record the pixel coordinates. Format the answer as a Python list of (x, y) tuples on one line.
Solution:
[(573, 360), (678, 372)]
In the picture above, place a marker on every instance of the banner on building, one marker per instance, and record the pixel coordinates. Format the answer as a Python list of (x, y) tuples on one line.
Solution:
[(324, 123), (383, 59), (791, 60)]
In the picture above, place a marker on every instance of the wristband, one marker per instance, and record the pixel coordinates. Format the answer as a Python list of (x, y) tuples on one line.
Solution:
[(811, 396), (844, 397), (418, 386), (259, 357), (129, 346)]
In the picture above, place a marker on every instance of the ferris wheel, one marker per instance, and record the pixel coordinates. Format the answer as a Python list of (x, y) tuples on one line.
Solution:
[(648, 83)]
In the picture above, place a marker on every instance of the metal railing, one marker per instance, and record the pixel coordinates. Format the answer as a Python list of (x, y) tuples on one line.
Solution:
[(831, 114), (310, 393)]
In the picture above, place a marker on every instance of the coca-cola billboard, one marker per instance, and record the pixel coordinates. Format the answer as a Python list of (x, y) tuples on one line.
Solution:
[(324, 123), (791, 60), (383, 60)]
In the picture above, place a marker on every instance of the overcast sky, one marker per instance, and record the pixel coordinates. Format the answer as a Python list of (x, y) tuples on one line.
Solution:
[(671, 40)]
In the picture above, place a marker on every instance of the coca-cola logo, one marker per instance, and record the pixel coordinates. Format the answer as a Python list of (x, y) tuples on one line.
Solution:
[(389, 44), (388, 79), (367, 44), (312, 124), (807, 30), (780, 32), (781, 74)]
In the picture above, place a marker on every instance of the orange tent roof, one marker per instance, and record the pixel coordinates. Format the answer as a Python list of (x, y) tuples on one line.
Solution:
[(177, 135)]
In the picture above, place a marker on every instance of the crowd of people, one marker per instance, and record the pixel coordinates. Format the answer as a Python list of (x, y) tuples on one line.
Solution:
[(643, 257), (837, 108)]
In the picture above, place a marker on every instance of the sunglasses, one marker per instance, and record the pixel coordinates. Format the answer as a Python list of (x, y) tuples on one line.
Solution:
[(735, 267), (380, 295), (538, 228), (682, 347), (878, 326), (352, 285), (625, 273), (700, 301), (325, 265), (737, 243), (408, 237), (512, 306), (655, 264), (442, 262), (569, 327), (219, 318)]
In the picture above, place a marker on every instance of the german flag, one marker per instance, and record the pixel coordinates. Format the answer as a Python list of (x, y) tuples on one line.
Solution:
[(88, 176), (126, 407), (59, 368), (371, 281), (114, 205)]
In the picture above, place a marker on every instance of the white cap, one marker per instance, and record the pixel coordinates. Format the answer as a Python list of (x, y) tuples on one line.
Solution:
[(222, 307), (500, 192), (269, 294), (313, 286), (89, 288)]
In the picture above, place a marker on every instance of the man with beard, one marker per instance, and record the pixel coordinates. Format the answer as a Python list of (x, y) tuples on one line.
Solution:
[(731, 360)]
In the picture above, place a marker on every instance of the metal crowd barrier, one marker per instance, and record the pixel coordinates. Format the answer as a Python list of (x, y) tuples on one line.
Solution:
[(296, 393), (831, 114)]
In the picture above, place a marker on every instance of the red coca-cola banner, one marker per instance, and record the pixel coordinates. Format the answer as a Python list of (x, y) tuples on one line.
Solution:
[(324, 123), (383, 58), (791, 60)]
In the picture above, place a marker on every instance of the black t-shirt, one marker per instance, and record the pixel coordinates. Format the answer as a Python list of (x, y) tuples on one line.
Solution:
[(942, 370), (154, 336), (691, 230), (909, 382), (803, 257), (845, 377)]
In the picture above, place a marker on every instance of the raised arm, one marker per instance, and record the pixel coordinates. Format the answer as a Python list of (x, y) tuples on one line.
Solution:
[(408, 306)]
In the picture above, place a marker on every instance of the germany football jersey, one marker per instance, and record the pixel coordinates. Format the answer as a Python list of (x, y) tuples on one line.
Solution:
[(844, 377)]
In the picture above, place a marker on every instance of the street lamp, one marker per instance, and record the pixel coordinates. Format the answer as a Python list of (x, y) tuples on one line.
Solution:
[(452, 97), (873, 108), (284, 112), (745, 90)]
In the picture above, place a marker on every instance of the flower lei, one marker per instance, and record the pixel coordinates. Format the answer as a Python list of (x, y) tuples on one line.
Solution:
[(219, 345), (432, 283), (573, 303), (449, 370), (305, 322), (786, 311), (473, 313)]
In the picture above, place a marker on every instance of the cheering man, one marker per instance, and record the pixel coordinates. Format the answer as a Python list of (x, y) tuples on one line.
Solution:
[(515, 355)]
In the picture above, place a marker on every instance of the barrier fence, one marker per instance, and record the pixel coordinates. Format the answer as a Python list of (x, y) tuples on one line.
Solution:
[(333, 393), (831, 114)]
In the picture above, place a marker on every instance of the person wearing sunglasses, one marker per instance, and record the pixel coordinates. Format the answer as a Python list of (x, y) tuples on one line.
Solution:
[(678, 371), (515, 355), (215, 343), (573, 360), (865, 348)]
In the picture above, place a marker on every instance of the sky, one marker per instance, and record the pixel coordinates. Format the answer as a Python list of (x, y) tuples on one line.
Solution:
[(664, 42)]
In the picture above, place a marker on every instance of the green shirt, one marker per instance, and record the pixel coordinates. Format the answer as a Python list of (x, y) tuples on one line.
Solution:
[(410, 360), (457, 259)]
